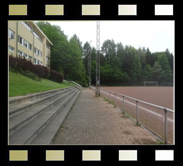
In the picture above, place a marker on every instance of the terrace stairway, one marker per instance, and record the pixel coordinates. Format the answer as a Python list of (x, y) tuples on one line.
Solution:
[(36, 118)]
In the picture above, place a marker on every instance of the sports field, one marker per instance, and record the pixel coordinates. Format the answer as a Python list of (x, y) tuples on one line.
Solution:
[(150, 116)]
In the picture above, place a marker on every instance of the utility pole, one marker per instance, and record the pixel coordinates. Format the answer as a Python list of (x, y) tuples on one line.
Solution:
[(89, 65), (98, 60)]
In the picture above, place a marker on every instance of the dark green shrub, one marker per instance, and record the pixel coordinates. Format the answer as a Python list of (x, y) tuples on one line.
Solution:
[(23, 66), (56, 76)]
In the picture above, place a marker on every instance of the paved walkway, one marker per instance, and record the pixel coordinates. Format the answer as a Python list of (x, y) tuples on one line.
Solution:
[(92, 120)]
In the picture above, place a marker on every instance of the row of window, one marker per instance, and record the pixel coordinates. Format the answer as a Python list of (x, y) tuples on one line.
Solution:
[(37, 62), (24, 55), (37, 52), (30, 29), (24, 43)]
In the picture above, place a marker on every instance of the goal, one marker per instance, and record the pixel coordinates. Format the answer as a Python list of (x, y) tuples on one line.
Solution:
[(150, 83)]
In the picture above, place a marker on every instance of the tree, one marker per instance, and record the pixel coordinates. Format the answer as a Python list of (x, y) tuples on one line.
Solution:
[(136, 70), (66, 56), (147, 73), (109, 49), (163, 61), (158, 73)]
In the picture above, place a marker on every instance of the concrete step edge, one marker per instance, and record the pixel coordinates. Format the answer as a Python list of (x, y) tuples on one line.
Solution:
[(19, 99), (40, 138), (15, 111), (15, 128)]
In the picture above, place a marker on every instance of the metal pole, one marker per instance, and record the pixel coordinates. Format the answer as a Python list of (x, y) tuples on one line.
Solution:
[(115, 100), (165, 125), (123, 104), (137, 112), (110, 96)]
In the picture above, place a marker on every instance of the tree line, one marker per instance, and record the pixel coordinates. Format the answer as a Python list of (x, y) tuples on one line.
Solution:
[(119, 65)]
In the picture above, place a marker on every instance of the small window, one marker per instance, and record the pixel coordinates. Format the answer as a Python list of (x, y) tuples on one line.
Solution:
[(25, 55), (29, 46), (11, 34), (19, 52), (40, 53), (25, 43), (20, 40), (35, 61), (30, 58), (11, 48)]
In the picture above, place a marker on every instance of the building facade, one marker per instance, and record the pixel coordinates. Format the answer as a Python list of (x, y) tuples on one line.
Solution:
[(25, 39)]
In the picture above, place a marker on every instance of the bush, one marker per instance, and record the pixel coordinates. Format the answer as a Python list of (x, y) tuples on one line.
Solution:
[(56, 76), (41, 71), (21, 65)]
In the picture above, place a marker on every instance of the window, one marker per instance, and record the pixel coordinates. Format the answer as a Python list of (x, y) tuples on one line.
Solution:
[(47, 58), (19, 52), (35, 50), (20, 40), (11, 34), (35, 61), (35, 34), (11, 48), (29, 46), (30, 58), (25, 43), (47, 46), (40, 53), (25, 55)]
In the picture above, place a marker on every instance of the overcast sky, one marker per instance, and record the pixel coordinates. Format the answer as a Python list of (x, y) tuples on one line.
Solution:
[(156, 35)]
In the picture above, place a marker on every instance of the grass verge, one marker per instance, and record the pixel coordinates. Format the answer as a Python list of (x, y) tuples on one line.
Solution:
[(21, 85)]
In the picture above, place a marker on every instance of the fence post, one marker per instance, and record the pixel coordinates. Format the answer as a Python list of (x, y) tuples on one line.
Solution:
[(115, 100), (165, 125), (109, 96), (137, 112), (123, 104)]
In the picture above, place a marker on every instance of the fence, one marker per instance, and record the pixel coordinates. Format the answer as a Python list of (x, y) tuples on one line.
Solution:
[(156, 118), (73, 83)]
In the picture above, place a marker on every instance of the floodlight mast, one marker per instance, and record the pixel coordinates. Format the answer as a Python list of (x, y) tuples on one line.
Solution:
[(98, 60), (89, 65)]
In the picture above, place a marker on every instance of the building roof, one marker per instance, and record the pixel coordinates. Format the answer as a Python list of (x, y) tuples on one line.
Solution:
[(35, 25)]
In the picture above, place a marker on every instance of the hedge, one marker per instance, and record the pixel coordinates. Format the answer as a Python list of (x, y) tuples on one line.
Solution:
[(19, 64), (56, 76)]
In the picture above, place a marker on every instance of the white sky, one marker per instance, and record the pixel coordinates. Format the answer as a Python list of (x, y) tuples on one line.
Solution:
[(156, 35)]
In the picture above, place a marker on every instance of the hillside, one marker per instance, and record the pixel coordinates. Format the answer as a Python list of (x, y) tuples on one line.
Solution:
[(21, 85)]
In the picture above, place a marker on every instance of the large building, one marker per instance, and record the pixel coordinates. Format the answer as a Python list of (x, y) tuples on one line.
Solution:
[(25, 39)]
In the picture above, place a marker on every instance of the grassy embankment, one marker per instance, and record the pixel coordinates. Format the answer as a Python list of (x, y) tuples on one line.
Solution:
[(21, 85)]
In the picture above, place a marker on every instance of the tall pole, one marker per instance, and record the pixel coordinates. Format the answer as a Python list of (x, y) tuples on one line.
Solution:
[(89, 64), (98, 60)]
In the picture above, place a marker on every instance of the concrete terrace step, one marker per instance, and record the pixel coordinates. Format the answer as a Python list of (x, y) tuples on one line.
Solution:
[(20, 120), (30, 131), (23, 105), (17, 99), (46, 136)]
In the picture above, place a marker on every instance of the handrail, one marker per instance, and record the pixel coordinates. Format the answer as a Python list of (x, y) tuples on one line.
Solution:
[(137, 107), (77, 84), (144, 102), (72, 82)]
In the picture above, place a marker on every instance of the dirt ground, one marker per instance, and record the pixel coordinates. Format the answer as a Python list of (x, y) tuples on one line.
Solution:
[(162, 96), (150, 116)]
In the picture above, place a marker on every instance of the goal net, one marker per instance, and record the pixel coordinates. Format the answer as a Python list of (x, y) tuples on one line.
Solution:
[(150, 83)]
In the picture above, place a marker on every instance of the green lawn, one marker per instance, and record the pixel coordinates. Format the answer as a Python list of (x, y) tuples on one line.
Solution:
[(21, 85)]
